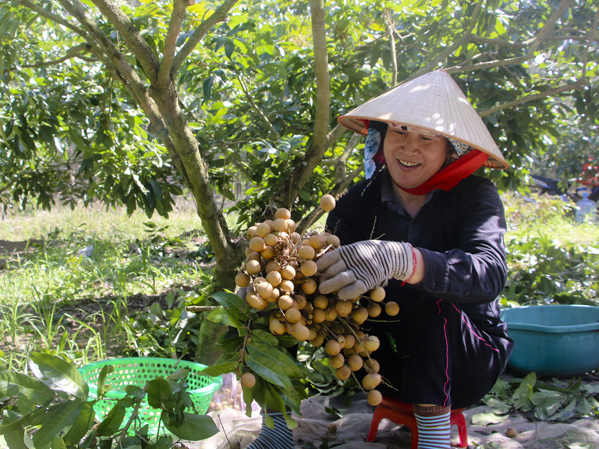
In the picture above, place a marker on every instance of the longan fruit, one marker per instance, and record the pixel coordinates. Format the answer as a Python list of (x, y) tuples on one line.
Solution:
[(285, 302), (282, 212), (321, 302), (301, 300), (299, 331), (274, 295), (333, 240), (257, 244), (343, 373), (280, 225), (253, 267), (355, 362), (371, 381), (263, 229), (392, 308), (274, 278), (292, 315), (372, 343), (253, 255), (291, 225), (327, 202), (271, 240), (309, 286), (306, 252), (256, 301), (319, 316), (317, 241), (378, 294), (372, 366), (288, 272), (287, 286), (295, 237), (359, 315), (309, 268), (264, 289), (242, 280), (341, 341), (343, 308), (251, 232), (374, 309), (374, 397), (248, 380), (318, 340), (331, 314), (276, 327), (332, 347), (273, 266), (350, 341), (337, 361)]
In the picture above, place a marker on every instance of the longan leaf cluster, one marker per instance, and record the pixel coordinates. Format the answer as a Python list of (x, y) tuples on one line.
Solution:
[(280, 278)]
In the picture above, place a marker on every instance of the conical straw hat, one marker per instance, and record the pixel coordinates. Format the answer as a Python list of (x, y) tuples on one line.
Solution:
[(434, 102)]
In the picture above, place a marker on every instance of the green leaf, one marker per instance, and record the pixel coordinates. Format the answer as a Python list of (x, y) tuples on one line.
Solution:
[(261, 336), (11, 421), (160, 394), (522, 397), (272, 364), (58, 374), (113, 420), (104, 388), (84, 423), (222, 368), (14, 434), (13, 384), (193, 428), (58, 443), (231, 301), (59, 419)]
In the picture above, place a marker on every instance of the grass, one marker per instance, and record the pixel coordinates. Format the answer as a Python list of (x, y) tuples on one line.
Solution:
[(96, 263), (95, 221)]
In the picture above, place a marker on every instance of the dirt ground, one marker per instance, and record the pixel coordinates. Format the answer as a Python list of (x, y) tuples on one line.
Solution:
[(319, 429)]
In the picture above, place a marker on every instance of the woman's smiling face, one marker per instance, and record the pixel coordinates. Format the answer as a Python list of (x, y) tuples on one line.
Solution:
[(412, 158)]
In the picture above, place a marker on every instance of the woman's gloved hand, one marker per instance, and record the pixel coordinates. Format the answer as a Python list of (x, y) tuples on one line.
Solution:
[(352, 270)]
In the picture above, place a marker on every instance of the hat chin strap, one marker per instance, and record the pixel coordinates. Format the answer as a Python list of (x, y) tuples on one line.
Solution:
[(449, 177)]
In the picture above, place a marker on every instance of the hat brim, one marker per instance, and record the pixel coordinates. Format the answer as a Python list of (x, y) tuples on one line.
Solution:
[(433, 102)]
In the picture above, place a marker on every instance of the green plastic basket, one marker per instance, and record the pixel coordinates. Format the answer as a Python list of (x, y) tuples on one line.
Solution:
[(138, 371)]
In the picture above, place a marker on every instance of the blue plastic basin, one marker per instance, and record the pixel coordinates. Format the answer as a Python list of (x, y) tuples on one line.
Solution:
[(558, 340)]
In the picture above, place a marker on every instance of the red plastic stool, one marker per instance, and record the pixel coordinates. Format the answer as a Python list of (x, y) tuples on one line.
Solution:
[(401, 413)]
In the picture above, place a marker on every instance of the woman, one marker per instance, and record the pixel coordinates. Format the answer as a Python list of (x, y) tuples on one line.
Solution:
[(432, 232)]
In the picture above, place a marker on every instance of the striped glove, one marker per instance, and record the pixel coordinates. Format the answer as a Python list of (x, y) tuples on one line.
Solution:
[(352, 270)]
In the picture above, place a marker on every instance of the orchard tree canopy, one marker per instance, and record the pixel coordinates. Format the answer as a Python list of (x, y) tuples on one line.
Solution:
[(128, 101)]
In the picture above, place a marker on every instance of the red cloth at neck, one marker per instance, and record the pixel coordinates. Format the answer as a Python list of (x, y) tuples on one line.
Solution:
[(449, 177)]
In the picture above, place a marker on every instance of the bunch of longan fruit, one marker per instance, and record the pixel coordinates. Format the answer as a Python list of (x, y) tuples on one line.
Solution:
[(280, 276)]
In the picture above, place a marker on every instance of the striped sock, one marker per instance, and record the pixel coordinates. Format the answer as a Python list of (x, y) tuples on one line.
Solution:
[(278, 438), (434, 431)]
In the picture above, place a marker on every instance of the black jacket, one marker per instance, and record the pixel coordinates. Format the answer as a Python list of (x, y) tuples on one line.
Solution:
[(459, 232)]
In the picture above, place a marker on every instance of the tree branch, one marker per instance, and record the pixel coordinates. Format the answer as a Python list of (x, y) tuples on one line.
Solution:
[(303, 170), (74, 52), (259, 111), (585, 58), (127, 30), (390, 26), (452, 48), (527, 98), (218, 16), (170, 42), (53, 17), (106, 50)]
